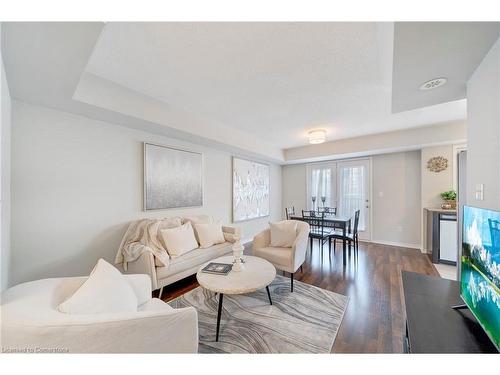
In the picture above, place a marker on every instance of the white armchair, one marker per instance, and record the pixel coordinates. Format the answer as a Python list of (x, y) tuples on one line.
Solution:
[(30, 321), (288, 259)]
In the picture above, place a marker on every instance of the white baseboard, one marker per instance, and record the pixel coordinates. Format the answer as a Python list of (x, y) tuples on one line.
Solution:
[(399, 244)]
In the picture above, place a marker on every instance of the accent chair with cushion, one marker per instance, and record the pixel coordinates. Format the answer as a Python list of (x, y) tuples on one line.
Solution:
[(106, 312), (284, 244)]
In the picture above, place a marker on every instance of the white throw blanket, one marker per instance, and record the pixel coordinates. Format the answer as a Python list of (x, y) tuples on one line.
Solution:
[(141, 236)]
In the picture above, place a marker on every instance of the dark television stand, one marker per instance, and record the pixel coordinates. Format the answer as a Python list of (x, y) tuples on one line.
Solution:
[(432, 326)]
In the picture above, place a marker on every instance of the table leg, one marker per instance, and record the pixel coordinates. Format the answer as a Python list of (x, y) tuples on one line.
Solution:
[(269, 295), (349, 242), (221, 296), (344, 243)]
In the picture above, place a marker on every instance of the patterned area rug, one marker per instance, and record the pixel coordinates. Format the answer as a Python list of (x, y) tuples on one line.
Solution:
[(305, 321)]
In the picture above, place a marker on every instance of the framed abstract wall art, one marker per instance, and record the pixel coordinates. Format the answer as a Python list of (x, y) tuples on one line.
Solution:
[(173, 178), (251, 185)]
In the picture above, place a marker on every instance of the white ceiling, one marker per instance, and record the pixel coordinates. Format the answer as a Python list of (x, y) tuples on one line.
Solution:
[(427, 50), (255, 87), (45, 65), (274, 81)]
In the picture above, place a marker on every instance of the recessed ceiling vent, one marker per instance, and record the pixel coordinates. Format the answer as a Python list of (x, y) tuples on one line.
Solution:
[(433, 83)]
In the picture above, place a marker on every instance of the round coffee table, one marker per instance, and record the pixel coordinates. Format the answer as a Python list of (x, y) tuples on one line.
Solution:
[(258, 273)]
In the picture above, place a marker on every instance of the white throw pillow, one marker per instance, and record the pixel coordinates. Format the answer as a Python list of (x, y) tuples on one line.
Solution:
[(179, 240), (167, 223), (209, 234), (283, 233), (199, 219), (105, 291)]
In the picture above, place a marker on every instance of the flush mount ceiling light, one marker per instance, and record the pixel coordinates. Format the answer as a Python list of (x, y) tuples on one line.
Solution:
[(433, 83), (317, 136)]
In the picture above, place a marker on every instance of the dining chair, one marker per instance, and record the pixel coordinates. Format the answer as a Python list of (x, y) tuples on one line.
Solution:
[(328, 210), (308, 213), (289, 212), (352, 238), (318, 229), (331, 210)]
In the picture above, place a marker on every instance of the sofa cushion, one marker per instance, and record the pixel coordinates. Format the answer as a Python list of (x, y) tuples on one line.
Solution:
[(209, 234), (168, 223), (105, 291), (198, 219), (283, 233), (192, 259), (279, 256), (179, 240)]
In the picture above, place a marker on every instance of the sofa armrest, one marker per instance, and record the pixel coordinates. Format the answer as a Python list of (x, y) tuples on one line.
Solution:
[(141, 284), (145, 264), (299, 246), (231, 233), (299, 249), (263, 239)]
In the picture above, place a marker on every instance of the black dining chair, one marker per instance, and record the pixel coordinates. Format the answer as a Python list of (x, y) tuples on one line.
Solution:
[(308, 213), (289, 212), (328, 210), (318, 229), (351, 238), (331, 210)]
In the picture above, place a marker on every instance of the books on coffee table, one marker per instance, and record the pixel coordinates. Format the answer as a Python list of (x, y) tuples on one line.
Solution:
[(217, 268)]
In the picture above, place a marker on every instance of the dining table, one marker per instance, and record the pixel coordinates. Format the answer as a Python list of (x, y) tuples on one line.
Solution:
[(340, 221)]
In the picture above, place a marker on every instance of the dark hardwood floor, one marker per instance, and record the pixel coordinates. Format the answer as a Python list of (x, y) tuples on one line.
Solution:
[(374, 320)]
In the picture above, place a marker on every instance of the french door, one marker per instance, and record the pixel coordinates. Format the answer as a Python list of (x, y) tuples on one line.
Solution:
[(353, 186), (322, 185)]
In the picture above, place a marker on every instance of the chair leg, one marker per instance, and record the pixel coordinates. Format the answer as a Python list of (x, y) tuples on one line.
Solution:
[(334, 245), (291, 281), (161, 292), (311, 242)]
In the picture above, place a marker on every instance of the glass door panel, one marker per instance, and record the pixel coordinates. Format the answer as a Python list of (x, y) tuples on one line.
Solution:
[(354, 192)]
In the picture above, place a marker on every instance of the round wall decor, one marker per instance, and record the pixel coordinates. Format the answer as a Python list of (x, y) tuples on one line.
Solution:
[(437, 164)]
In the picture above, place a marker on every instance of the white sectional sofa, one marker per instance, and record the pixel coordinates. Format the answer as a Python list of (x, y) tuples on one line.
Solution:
[(31, 322), (185, 265)]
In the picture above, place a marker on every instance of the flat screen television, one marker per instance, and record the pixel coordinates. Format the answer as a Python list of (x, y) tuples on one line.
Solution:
[(480, 265)]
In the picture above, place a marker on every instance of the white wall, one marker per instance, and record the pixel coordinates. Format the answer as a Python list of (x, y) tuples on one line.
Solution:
[(294, 183), (396, 199), (5, 176), (396, 214), (77, 182), (433, 184), (483, 136)]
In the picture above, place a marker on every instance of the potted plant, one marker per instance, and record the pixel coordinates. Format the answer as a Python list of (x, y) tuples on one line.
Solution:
[(450, 199)]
